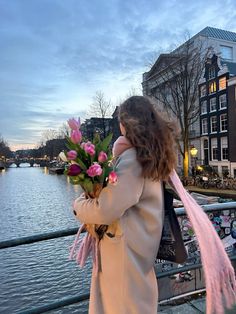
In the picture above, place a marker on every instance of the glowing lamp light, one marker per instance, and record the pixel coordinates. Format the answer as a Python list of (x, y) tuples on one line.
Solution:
[(193, 151)]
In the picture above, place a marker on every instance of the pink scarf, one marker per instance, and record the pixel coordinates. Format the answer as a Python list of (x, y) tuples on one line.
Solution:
[(218, 270)]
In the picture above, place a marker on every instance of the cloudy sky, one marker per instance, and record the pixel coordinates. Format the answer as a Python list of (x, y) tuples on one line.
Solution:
[(55, 54)]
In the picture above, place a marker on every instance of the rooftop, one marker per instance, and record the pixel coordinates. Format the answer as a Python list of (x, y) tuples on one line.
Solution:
[(217, 33)]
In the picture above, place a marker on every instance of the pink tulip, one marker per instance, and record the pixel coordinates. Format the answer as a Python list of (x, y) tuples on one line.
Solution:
[(102, 157), (112, 178), (71, 155), (94, 170), (76, 136), (73, 170), (89, 148), (74, 124)]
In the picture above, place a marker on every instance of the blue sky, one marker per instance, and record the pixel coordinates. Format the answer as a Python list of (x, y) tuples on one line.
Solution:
[(55, 54)]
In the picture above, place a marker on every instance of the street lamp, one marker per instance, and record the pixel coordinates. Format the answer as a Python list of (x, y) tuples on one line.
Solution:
[(193, 152)]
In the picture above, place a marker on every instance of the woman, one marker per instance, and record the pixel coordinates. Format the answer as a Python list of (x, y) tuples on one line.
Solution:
[(133, 209), (126, 281)]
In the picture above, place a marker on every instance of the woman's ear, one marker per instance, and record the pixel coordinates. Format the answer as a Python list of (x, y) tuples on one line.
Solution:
[(122, 129)]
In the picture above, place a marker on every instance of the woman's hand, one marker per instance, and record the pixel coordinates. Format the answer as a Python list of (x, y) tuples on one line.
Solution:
[(91, 228)]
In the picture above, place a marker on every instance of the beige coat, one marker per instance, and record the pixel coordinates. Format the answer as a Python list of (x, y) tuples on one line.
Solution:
[(126, 282)]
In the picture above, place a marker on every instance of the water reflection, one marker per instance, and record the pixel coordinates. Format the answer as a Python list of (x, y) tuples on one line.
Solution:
[(34, 201), (45, 170)]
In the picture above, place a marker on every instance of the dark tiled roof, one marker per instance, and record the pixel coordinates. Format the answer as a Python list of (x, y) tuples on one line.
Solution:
[(218, 33), (231, 66)]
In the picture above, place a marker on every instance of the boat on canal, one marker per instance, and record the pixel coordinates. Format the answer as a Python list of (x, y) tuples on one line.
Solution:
[(56, 167)]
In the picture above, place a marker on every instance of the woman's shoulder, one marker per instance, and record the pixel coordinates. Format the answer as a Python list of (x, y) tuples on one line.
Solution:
[(128, 154), (128, 159)]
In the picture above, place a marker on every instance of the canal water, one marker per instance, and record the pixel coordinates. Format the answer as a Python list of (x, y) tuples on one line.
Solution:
[(32, 201)]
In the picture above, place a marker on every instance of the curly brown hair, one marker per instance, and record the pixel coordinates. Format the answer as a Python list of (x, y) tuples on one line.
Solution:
[(153, 137)]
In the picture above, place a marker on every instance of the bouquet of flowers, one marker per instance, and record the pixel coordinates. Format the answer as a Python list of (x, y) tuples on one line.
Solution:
[(90, 166)]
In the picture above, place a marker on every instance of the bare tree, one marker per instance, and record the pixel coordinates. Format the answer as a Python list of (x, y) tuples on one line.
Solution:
[(5, 151), (101, 108), (48, 135), (63, 131), (176, 89)]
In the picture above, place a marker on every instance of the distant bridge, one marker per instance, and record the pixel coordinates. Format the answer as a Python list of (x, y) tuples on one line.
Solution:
[(32, 161)]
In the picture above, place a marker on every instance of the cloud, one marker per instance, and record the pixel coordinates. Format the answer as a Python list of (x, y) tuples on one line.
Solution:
[(54, 55)]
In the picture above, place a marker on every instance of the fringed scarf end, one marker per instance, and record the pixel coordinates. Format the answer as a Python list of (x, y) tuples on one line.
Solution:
[(80, 250)]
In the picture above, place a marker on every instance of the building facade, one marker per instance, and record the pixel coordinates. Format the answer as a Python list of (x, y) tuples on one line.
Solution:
[(218, 115), (220, 43), (96, 125)]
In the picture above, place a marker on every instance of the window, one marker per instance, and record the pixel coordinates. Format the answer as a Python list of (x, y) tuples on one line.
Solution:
[(214, 149), (205, 152), (215, 169), (224, 148), (222, 83), (223, 101), (204, 126), (225, 171), (203, 91), (213, 124), (211, 73), (212, 87), (223, 122), (203, 107), (213, 104), (205, 144), (226, 52)]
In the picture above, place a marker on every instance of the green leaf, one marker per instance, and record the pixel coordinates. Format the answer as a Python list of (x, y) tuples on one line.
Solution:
[(107, 171), (74, 180), (81, 176), (81, 164), (88, 185), (96, 139), (103, 146)]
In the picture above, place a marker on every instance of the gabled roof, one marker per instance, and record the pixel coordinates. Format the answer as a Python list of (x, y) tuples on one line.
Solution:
[(163, 61), (217, 33), (209, 32)]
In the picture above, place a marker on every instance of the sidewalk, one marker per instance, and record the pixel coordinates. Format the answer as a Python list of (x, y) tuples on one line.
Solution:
[(191, 306)]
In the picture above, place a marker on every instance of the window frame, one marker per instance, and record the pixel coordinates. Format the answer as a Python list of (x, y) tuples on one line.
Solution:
[(214, 149), (211, 71), (205, 106), (220, 79), (213, 83), (223, 168), (224, 145), (206, 125), (203, 87), (215, 124), (227, 47), (214, 104), (221, 122), (220, 97)]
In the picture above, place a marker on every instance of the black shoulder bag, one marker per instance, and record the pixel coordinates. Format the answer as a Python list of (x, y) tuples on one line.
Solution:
[(172, 245)]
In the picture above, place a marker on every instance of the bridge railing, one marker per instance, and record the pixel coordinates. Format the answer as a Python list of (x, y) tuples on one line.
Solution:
[(210, 209)]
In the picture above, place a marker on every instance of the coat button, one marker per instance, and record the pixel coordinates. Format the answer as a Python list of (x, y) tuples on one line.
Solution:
[(74, 212)]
